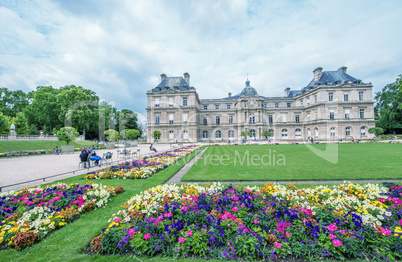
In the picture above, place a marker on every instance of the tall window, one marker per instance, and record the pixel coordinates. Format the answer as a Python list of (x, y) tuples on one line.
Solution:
[(218, 120), (332, 132), (347, 131), (276, 105), (288, 104), (205, 107), (228, 106), (231, 134), (361, 113), (315, 99), (301, 102), (205, 134), (308, 116), (184, 101), (316, 131), (170, 119), (308, 132), (345, 97), (283, 118), (216, 107), (170, 101), (331, 115), (271, 131), (184, 118), (297, 118), (156, 102), (270, 119), (251, 118), (284, 133), (218, 134), (298, 133), (330, 97), (265, 105), (171, 134), (157, 119), (205, 121), (185, 134), (361, 96), (308, 101), (230, 120), (252, 133), (363, 131), (347, 114), (315, 115)]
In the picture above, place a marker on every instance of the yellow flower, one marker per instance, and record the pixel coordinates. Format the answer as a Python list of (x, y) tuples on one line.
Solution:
[(398, 229), (1, 239)]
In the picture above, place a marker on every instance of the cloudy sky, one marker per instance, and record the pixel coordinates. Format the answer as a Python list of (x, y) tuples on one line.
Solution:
[(120, 48)]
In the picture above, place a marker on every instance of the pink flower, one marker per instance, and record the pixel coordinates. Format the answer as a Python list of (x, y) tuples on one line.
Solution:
[(332, 236), (181, 239), (400, 222), (235, 209), (278, 245), (147, 236), (256, 221), (117, 219), (131, 231), (382, 200), (189, 233), (332, 227), (342, 231), (287, 235), (242, 205), (337, 242), (236, 186), (168, 215), (249, 197), (385, 231)]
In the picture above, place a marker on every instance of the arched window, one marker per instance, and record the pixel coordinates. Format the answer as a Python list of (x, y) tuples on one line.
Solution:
[(271, 131), (231, 134), (185, 134), (205, 134), (252, 133), (252, 118), (363, 130), (316, 131), (298, 133), (218, 134), (347, 130), (308, 132), (284, 133), (171, 134), (332, 132)]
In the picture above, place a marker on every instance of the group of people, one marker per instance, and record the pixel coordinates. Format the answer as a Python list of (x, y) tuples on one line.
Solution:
[(89, 154)]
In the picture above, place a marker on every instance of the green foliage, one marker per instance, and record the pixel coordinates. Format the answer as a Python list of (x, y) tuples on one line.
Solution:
[(133, 133), (376, 130), (127, 119), (13, 102), (67, 134), (389, 107), (21, 124), (156, 134), (245, 133), (4, 124), (33, 130), (266, 134), (112, 135)]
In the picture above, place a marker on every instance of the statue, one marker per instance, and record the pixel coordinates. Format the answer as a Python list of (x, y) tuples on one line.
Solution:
[(12, 130)]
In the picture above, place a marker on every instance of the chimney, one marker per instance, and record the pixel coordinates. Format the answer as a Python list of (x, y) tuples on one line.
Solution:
[(163, 77), (317, 74), (187, 78), (287, 91), (230, 94), (342, 69)]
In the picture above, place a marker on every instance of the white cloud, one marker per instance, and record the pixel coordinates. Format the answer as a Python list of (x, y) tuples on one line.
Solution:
[(119, 50)]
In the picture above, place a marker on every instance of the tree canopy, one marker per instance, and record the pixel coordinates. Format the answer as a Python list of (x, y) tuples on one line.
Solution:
[(67, 134), (388, 109)]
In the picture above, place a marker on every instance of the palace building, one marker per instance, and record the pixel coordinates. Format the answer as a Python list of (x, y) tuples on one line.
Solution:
[(333, 106)]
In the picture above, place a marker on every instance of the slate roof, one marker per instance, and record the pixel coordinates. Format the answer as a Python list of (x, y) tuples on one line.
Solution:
[(173, 83), (247, 91), (332, 78)]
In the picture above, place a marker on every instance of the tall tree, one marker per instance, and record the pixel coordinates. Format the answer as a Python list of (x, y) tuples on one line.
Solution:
[(4, 124), (67, 134), (127, 119), (389, 107), (44, 109), (21, 124), (13, 102), (78, 107)]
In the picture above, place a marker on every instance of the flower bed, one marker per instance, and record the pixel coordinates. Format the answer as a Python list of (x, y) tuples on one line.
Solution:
[(346, 221), (25, 153), (29, 215), (141, 168)]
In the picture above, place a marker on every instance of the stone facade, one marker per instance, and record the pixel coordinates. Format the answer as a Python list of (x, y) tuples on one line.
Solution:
[(333, 106)]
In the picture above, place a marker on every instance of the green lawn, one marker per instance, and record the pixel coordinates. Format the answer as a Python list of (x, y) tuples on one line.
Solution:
[(8, 146), (297, 162)]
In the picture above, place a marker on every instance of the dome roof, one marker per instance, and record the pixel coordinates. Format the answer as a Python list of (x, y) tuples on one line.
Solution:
[(248, 90)]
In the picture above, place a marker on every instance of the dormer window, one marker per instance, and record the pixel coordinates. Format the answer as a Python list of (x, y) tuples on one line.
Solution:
[(329, 83)]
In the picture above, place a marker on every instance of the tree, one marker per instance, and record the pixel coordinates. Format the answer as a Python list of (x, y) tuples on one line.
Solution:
[(13, 102), (67, 134), (376, 131), (266, 134), (245, 134), (388, 109), (112, 135), (78, 107), (33, 130), (4, 124), (156, 134), (132, 133), (21, 124), (127, 119)]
